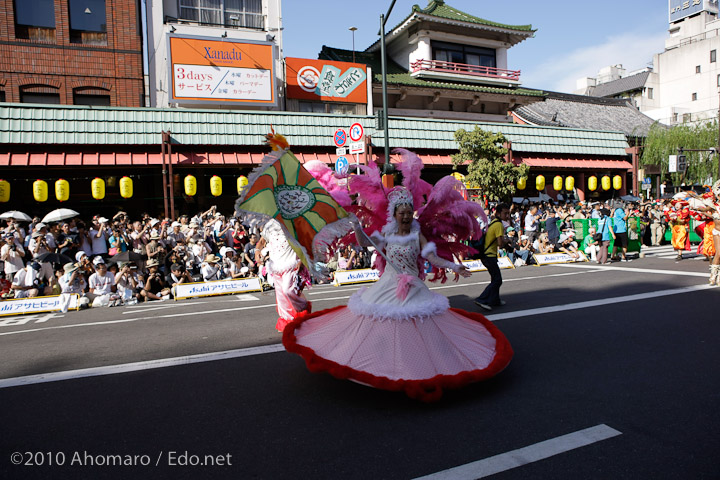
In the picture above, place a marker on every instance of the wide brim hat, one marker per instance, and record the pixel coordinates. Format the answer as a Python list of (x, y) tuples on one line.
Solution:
[(154, 236), (153, 263), (70, 267), (212, 259)]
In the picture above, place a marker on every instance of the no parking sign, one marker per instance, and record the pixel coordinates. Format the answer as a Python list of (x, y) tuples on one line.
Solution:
[(340, 137)]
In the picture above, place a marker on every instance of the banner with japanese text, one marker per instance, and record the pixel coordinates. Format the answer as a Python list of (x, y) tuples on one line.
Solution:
[(206, 70), (323, 80), (219, 287), (19, 306)]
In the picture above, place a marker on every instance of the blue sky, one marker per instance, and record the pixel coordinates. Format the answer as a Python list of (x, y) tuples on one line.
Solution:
[(573, 39)]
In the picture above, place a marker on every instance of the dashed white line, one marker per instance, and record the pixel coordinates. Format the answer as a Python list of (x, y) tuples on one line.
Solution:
[(523, 456)]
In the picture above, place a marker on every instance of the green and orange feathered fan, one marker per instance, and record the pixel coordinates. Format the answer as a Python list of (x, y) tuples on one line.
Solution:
[(281, 188)]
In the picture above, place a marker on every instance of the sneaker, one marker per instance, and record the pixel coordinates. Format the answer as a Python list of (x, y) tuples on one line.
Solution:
[(502, 302), (484, 306), (624, 260)]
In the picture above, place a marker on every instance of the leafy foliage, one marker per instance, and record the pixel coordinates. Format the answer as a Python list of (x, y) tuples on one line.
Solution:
[(662, 142), (487, 168)]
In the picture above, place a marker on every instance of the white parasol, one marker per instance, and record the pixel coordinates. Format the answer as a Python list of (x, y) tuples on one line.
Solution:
[(16, 215), (59, 215)]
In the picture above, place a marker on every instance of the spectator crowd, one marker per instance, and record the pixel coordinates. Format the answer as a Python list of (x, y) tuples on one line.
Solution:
[(124, 260)]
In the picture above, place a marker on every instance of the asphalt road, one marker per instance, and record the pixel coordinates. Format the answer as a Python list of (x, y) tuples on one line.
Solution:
[(615, 375)]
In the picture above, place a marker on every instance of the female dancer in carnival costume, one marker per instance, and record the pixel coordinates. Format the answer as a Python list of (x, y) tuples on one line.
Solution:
[(713, 209), (679, 218), (396, 334)]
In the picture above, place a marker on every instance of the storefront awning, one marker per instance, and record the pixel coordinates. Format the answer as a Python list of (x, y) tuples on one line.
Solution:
[(578, 163), (180, 159)]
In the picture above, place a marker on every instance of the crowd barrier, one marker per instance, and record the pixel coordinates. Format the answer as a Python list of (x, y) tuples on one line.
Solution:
[(217, 287), (51, 303)]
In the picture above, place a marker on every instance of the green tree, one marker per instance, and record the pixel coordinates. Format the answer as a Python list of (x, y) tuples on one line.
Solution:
[(662, 142), (485, 154)]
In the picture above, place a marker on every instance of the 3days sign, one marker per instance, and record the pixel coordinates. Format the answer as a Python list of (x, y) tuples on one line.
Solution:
[(325, 80)]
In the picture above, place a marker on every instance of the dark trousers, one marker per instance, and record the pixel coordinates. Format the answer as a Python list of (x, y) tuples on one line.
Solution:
[(491, 294)]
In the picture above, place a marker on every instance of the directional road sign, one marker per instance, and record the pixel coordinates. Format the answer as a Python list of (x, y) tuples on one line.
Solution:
[(356, 132), (340, 137)]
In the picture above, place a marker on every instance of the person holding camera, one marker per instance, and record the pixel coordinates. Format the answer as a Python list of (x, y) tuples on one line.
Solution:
[(178, 275), (155, 286), (33, 280), (67, 241), (128, 282), (99, 234), (38, 244), (11, 254)]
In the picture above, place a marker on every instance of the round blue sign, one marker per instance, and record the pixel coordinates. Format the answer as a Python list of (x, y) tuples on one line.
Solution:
[(342, 165)]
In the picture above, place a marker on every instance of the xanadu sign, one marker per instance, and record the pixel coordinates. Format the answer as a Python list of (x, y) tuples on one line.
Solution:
[(204, 70), (325, 80)]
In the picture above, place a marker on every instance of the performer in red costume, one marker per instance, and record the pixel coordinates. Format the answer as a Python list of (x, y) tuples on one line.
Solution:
[(397, 334), (679, 218)]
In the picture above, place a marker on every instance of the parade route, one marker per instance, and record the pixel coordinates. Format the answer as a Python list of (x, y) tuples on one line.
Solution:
[(595, 348)]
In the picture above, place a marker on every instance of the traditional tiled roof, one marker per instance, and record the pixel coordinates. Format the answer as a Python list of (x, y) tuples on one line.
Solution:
[(397, 75), (621, 85), (40, 126), (437, 9), (579, 111)]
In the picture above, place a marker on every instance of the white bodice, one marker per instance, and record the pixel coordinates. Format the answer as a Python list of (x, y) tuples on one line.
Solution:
[(403, 252)]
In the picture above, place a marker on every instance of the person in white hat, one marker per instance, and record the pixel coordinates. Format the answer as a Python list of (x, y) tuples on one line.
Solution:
[(175, 236), (212, 268), (155, 287), (11, 254), (72, 282), (102, 283), (99, 234)]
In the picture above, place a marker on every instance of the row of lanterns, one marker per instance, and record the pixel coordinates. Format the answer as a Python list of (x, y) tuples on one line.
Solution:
[(605, 183), (97, 188)]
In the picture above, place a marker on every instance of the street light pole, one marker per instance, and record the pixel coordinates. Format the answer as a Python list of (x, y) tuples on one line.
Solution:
[(352, 29), (383, 62)]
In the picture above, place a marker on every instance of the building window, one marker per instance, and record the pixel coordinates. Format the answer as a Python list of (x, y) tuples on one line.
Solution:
[(686, 117), (2, 96), (650, 93), (466, 54), (88, 24), (713, 56), (694, 97), (35, 20), (35, 93), (91, 96), (227, 13), (697, 69), (319, 107)]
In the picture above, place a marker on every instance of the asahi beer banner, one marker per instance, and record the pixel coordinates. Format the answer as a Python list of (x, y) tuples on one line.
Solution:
[(550, 258), (206, 70), (19, 306), (325, 80), (345, 277), (477, 266), (219, 287)]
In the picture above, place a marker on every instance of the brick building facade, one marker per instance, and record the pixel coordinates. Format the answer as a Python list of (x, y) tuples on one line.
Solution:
[(71, 53)]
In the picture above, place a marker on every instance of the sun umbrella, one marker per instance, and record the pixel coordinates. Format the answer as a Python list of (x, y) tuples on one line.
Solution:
[(59, 214), (14, 214), (128, 256), (52, 257), (630, 198)]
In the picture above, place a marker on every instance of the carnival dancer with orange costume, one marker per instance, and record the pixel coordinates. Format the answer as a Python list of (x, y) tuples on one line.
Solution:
[(397, 334), (714, 210), (679, 218)]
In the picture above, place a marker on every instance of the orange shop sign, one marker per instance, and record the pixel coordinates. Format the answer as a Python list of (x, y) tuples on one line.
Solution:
[(325, 80), (207, 71)]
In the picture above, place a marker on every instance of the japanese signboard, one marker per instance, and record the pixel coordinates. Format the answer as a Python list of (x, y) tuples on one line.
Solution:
[(477, 266), (209, 71), (219, 287), (679, 9), (325, 80), (53, 303), (558, 257), (345, 277)]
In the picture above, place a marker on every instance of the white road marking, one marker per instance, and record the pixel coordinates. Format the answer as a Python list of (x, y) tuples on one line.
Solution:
[(156, 306), (523, 456), (638, 270), (137, 366), (598, 303), (246, 297)]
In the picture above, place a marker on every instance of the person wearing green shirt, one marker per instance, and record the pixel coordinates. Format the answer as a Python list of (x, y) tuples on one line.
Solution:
[(494, 238), (589, 245)]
